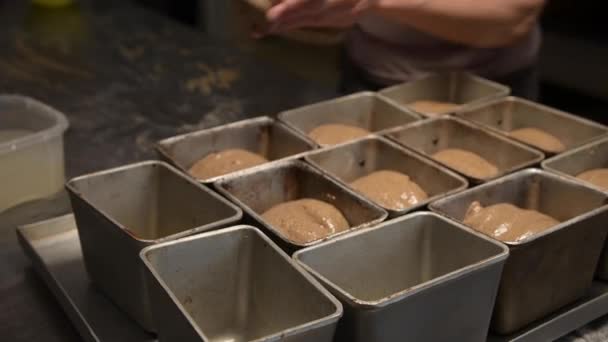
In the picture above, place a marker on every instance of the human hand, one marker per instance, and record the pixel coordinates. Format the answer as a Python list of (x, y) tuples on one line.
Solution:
[(287, 15)]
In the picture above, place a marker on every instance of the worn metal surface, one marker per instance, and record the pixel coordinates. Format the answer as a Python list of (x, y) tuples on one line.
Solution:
[(511, 113), (365, 110), (122, 210), (394, 280), (553, 268), (354, 160), (591, 306), (433, 135), (459, 88), (576, 161), (54, 249), (264, 136), (235, 285), (260, 189)]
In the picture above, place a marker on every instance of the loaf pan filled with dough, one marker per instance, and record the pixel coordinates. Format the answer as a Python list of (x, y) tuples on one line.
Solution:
[(444, 93), (209, 154), (474, 152), (297, 204), (393, 177), (347, 118), (588, 164), (555, 228), (547, 129)]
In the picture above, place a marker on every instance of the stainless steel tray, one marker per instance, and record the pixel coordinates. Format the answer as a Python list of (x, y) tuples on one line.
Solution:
[(54, 248)]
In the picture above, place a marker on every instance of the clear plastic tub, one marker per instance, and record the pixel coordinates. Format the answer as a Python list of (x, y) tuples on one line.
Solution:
[(31, 150)]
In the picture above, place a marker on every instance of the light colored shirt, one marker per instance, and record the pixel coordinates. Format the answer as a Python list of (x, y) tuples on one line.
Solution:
[(390, 52)]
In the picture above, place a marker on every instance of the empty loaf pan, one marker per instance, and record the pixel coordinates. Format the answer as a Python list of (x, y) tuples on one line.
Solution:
[(552, 268), (235, 285), (431, 136), (364, 110), (574, 162), (459, 88), (260, 189), (354, 160), (262, 135), (512, 113), (122, 210), (415, 278)]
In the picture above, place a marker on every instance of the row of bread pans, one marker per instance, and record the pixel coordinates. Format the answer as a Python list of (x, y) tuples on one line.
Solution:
[(421, 276)]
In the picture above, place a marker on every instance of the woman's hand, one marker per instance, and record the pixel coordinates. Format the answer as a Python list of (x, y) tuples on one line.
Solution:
[(288, 15)]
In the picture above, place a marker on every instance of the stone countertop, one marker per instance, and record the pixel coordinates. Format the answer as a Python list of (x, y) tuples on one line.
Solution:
[(125, 78)]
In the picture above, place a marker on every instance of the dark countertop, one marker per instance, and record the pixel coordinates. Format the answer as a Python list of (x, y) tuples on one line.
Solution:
[(125, 78)]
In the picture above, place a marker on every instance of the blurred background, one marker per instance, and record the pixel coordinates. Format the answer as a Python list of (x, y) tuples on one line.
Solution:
[(573, 61)]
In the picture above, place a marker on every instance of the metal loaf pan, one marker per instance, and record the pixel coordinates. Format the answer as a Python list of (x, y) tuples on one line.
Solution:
[(433, 135), (551, 269), (354, 160), (572, 163), (122, 210), (511, 113), (366, 110), (419, 277), (258, 190), (460, 88), (263, 135), (235, 285)]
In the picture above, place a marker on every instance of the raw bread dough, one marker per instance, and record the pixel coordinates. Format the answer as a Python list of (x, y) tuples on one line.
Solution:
[(333, 134), (432, 108), (469, 163), (507, 222), (306, 220), (597, 177), (538, 138), (221, 163), (390, 189)]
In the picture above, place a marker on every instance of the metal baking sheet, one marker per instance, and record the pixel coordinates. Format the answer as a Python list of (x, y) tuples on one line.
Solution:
[(54, 248)]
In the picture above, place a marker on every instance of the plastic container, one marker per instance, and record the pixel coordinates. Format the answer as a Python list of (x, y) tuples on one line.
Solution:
[(31, 150)]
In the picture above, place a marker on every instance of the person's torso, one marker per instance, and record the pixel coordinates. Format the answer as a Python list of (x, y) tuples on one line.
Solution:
[(389, 53)]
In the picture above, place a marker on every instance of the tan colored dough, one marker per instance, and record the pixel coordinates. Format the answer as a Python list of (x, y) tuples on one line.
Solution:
[(221, 163), (432, 108), (538, 138), (507, 222), (390, 189), (333, 134), (306, 220), (466, 162), (597, 177)]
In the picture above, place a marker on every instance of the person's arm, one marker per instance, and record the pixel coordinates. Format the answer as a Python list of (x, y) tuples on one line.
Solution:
[(478, 23)]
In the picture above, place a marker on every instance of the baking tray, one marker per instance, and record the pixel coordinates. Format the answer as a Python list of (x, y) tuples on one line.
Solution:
[(54, 249)]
